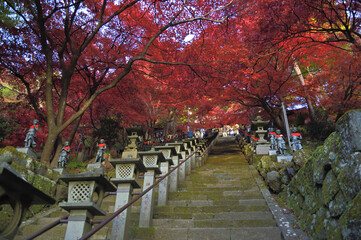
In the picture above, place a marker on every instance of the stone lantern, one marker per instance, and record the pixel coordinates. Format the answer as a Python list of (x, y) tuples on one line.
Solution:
[(179, 147), (260, 126), (85, 195), (151, 160), (169, 155), (130, 150), (127, 170)]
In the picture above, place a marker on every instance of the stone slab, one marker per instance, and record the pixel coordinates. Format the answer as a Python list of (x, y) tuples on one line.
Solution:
[(173, 223), (28, 151), (287, 158), (272, 152), (270, 233), (262, 149), (209, 233), (171, 234), (252, 202), (259, 215), (96, 167), (61, 171)]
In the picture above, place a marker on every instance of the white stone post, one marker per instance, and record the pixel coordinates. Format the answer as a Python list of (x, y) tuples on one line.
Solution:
[(151, 161), (126, 171), (188, 164), (181, 156), (174, 175), (168, 152)]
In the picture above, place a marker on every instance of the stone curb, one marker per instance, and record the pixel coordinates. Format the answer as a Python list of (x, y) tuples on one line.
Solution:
[(284, 225)]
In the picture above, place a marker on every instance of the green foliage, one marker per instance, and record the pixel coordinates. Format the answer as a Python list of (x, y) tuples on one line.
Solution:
[(76, 167), (110, 130), (319, 129), (322, 127), (7, 17), (300, 119), (7, 125)]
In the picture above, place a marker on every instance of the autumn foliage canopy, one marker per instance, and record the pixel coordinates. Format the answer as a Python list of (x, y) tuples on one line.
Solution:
[(78, 65)]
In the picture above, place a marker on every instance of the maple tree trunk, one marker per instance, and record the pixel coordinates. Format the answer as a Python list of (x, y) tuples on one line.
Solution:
[(48, 147), (311, 111), (57, 146)]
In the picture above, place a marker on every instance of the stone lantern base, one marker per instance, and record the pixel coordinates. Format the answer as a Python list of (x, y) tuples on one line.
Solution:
[(263, 148)]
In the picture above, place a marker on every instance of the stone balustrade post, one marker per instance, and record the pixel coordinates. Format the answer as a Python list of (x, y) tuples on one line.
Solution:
[(168, 152), (193, 150), (126, 173), (85, 195), (151, 160), (202, 151), (179, 147), (188, 164)]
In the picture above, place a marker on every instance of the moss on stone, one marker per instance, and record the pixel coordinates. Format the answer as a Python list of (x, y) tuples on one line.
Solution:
[(299, 158), (338, 205), (329, 188), (44, 184), (318, 222), (333, 229), (318, 165), (350, 220), (303, 181), (349, 177), (142, 233), (296, 201)]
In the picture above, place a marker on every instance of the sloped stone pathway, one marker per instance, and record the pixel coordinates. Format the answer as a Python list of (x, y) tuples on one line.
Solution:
[(220, 200)]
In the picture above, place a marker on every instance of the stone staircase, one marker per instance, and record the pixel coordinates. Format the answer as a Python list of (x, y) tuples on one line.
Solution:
[(219, 200)]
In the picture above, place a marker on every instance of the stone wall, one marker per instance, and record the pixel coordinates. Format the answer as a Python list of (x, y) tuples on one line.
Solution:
[(322, 188), (325, 193)]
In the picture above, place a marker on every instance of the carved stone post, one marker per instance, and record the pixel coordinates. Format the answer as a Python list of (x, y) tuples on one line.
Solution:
[(126, 170), (188, 148), (203, 147), (193, 149), (179, 147), (85, 195), (168, 152), (151, 161)]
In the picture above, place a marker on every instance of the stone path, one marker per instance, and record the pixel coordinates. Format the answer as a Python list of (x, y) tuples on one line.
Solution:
[(220, 200)]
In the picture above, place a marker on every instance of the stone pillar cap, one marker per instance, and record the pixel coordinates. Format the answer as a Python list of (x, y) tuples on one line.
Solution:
[(137, 161), (89, 176)]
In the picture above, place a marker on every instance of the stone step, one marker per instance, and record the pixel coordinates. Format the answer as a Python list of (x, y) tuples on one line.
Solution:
[(202, 203), (215, 196), (58, 214), (57, 232), (247, 233), (208, 209), (170, 222)]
